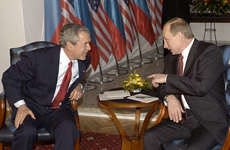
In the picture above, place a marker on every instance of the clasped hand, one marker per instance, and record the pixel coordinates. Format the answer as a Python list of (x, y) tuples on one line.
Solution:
[(77, 92)]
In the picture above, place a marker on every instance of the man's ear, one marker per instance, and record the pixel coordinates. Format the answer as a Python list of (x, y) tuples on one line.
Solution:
[(69, 45), (181, 36)]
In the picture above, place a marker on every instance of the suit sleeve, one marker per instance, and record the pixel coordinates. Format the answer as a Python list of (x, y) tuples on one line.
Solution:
[(205, 71), (15, 77)]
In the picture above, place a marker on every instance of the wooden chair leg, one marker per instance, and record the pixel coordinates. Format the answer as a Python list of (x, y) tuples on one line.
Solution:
[(1, 146), (77, 144), (226, 145)]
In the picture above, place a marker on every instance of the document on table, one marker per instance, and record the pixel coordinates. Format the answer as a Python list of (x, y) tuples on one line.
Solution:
[(143, 98), (115, 94)]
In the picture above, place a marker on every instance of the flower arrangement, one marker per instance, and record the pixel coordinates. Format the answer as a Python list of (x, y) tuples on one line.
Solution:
[(135, 83), (216, 7)]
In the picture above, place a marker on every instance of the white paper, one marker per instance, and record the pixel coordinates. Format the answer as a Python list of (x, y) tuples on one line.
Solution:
[(143, 98), (116, 94)]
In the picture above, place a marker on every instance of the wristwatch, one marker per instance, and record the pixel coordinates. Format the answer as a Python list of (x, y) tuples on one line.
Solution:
[(165, 99)]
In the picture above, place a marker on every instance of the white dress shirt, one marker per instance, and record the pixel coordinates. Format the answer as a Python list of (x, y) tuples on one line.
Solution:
[(185, 53)]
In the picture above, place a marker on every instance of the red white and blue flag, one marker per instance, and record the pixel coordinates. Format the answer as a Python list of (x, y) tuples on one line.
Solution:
[(155, 9), (116, 28), (143, 19), (68, 11), (129, 23), (103, 37)]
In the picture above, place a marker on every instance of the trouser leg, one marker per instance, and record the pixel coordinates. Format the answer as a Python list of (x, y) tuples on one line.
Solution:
[(25, 135), (66, 135), (201, 139), (168, 131), (61, 122)]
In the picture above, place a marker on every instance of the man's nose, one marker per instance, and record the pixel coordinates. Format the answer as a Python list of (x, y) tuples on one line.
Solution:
[(88, 47)]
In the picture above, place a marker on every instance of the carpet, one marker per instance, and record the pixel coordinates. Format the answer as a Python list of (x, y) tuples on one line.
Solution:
[(92, 141)]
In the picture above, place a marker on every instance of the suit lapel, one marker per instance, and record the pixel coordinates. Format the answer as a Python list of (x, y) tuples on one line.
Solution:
[(191, 57), (54, 66)]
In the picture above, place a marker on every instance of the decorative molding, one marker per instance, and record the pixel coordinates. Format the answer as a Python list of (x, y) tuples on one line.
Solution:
[(195, 17)]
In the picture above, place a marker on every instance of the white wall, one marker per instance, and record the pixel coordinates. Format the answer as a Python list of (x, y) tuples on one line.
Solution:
[(22, 22), (222, 31), (12, 30)]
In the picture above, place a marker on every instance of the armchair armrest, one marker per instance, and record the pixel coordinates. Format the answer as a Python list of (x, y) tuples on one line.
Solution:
[(2, 110)]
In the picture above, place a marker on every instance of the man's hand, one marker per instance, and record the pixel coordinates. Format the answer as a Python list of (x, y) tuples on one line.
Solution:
[(21, 114), (77, 92), (157, 79), (175, 109)]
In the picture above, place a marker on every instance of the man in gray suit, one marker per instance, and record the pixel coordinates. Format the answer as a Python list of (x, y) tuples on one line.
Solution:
[(38, 93), (193, 90)]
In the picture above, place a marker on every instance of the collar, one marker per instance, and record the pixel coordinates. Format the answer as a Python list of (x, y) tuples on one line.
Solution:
[(64, 59), (186, 51)]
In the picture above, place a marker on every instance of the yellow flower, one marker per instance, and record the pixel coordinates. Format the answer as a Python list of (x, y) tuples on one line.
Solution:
[(135, 81)]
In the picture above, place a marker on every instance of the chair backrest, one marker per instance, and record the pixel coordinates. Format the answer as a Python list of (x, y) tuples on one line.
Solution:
[(226, 60), (14, 58), (15, 52)]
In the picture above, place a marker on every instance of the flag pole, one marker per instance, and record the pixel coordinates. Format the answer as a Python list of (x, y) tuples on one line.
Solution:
[(101, 79)]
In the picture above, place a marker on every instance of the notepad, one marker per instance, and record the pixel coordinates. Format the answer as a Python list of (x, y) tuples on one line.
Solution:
[(143, 98), (115, 94)]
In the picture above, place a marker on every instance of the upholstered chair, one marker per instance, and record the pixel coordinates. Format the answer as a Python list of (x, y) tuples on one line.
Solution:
[(6, 127)]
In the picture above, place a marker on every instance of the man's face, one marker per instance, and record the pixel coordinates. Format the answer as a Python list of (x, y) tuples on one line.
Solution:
[(173, 43), (81, 48)]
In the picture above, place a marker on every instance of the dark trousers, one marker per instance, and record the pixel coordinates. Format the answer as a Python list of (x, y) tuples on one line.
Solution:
[(197, 137), (59, 122)]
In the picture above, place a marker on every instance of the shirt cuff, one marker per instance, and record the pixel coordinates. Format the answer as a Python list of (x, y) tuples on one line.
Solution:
[(19, 103)]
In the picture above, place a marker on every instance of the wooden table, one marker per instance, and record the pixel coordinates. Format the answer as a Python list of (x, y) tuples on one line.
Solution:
[(136, 142)]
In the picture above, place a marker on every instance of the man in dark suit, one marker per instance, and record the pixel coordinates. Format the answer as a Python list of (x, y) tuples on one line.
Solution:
[(194, 93), (33, 84)]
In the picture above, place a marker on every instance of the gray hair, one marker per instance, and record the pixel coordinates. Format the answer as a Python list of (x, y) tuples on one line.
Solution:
[(70, 32), (180, 25)]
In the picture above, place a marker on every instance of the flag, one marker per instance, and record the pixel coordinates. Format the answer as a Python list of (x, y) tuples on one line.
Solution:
[(143, 20), (57, 14), (155, 8), (129, 23), (103, 38), (82, 11), (70, 11), (116, 28)]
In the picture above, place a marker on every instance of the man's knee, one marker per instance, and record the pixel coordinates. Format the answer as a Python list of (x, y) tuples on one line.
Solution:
[(151, 140), (68, 128), (25, 132)]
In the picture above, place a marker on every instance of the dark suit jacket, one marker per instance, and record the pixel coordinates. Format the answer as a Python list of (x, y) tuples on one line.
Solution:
[(202, 86), (34, 79)]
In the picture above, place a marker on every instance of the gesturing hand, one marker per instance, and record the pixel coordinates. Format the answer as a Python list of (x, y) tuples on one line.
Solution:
[(158, 79), (21, 114), (175, 109)]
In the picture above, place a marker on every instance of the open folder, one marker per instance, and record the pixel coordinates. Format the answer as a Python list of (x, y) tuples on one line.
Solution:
[(115, 94), (143, 98)]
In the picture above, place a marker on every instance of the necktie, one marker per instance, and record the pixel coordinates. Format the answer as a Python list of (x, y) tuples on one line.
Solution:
[(63, 88), (180, 73), (180, 65)]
